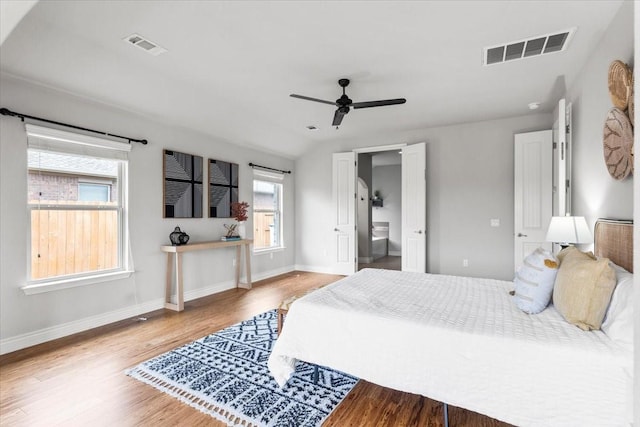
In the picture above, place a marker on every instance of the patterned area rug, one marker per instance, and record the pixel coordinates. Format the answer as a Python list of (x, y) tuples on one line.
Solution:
[(225, 375)]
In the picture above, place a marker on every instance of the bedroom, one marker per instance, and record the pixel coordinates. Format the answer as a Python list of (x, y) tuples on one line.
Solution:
[(481, 149)]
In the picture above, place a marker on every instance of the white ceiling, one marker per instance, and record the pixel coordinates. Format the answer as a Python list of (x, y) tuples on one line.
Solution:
[(231, 65)]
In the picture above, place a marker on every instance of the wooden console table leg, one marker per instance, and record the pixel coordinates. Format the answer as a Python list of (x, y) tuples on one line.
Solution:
[(177, 259), (238, 264), (168, 280), (179, 282), (247, 260)]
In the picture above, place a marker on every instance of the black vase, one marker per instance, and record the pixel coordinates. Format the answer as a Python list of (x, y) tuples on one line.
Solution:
[(178, 237)]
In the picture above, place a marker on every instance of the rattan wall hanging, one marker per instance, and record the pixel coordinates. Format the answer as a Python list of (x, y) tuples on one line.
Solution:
[(618, 126)]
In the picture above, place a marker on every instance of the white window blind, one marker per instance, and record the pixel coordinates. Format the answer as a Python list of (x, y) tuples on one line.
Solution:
[(48, 139)]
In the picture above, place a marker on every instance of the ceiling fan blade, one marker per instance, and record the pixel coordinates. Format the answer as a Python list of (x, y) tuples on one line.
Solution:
[(308, 98), (337, 117), (381, 103)]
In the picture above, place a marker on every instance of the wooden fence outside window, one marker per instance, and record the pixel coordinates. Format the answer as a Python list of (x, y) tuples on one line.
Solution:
[(71, 241)]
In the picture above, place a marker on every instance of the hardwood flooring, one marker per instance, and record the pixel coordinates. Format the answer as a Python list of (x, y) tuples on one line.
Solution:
[(80, 381), (388, 262)]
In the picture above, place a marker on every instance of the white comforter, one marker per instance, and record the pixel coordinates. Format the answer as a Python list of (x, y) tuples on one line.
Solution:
[(461, 341)]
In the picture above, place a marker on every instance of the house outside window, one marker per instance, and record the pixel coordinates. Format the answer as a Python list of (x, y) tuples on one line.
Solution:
[(76, 206), (267, 215), (94, 192)]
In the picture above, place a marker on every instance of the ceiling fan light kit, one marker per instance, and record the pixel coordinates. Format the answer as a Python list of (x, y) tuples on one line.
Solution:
[(344, 103)]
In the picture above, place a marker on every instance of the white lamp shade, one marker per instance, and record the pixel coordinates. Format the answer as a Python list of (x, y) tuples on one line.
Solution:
[(569, 229)]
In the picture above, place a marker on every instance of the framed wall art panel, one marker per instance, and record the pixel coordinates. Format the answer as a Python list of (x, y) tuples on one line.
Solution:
[(183, 185), (223, 188)]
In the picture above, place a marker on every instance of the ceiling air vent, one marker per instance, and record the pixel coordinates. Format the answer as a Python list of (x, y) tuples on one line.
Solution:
[(145, 44), (521, 49)]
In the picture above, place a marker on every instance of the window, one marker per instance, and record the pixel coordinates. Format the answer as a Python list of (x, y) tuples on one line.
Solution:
[(90, 192), (267, 215), (77, 207)]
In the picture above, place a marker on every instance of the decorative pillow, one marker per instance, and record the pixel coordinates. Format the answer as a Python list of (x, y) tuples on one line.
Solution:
[(534, 281), (618, 323), (583, 288)]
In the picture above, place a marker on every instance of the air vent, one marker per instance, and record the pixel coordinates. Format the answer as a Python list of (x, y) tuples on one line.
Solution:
[(521, 49), (145, 44)]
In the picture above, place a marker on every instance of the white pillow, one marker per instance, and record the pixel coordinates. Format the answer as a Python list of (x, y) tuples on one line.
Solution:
[(618, 323), (534, 281)]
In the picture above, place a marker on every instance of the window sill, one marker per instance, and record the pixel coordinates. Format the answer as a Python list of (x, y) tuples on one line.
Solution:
[(39, 288), (268, 250)]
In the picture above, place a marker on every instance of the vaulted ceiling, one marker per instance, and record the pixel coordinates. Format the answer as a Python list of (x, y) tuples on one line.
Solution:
[(231, 65)]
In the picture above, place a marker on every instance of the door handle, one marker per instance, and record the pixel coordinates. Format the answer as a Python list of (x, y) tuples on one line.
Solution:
[(336, 229), (522, 235), (419, 231)]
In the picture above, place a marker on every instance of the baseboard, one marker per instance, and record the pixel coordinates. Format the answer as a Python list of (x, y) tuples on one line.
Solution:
[(395, 253), (272, 273), (30, 339), (19, 342), (365, 259), (314, 269)]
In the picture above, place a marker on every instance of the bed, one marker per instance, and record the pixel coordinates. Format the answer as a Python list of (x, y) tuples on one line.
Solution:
[(462, 341)]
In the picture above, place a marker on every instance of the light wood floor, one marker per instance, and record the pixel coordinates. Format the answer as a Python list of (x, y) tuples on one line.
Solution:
[(388, 262), (80, 380)]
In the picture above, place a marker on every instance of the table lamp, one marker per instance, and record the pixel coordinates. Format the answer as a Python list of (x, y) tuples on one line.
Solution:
[(568, 230)]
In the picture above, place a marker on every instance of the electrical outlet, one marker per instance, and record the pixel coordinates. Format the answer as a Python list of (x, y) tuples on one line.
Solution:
[(465, 262), (495, 222), (234, 262), (271, 255)]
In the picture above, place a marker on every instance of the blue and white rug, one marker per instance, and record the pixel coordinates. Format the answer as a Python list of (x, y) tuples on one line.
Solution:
[(225, 375)]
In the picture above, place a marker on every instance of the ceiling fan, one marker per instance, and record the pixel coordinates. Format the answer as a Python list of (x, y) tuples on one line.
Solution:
[(344, 104)]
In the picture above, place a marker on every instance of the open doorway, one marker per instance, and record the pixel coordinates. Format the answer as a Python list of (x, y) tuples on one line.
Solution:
[(379, 209)]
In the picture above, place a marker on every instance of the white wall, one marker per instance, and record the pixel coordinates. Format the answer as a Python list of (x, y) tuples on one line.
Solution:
[(27, 320), (387, 180), (469, 181), (595, 194)]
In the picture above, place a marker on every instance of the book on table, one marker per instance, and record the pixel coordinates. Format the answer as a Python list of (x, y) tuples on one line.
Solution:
[(230, 238)]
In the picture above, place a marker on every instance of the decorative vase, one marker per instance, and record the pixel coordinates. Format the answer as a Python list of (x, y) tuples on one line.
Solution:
[(242, 230), (178, 237)]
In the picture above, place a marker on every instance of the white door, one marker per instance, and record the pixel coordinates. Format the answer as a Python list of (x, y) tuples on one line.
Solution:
[(414, 208), (562, 159), (344, 205), (533, 192)]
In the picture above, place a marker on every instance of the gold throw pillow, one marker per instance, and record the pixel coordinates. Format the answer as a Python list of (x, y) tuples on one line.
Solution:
[(583, 288)]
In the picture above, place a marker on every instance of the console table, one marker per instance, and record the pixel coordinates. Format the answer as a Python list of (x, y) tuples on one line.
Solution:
[(174, 257)]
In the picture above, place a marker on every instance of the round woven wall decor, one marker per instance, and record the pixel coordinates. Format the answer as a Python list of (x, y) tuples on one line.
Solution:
[(632, 107), (618, 144), (619, 84)]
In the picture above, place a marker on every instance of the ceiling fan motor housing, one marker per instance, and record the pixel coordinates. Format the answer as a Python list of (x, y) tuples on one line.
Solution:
[(344, 101)]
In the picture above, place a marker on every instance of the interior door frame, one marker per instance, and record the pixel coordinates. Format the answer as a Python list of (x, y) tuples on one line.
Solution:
[(376, 149), (366, 150)]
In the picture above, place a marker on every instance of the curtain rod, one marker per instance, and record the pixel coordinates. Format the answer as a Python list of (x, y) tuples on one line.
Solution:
[(7, 112), (253, 165)]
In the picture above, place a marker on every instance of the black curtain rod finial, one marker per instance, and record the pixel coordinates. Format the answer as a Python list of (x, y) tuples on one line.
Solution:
[(6, 112)]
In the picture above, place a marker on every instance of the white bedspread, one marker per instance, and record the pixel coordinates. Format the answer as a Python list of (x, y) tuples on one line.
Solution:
[(461, 341)]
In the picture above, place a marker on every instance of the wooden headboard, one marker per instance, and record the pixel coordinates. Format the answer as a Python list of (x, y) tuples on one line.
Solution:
[(613, 239)]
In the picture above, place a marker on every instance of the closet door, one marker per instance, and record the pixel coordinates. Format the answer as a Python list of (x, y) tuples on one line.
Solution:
[(533, 192), (414, 208), (344, 210)]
